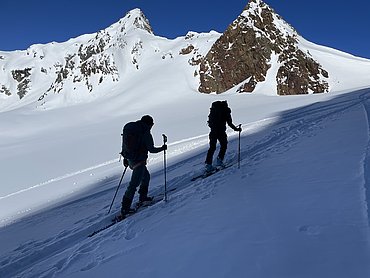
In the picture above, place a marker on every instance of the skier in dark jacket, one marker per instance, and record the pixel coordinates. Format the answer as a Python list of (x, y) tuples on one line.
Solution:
[(140, 174), (219, 116)]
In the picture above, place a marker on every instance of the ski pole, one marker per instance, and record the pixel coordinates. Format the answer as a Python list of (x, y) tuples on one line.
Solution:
[(117, 189), (165, 168), (240, 125)]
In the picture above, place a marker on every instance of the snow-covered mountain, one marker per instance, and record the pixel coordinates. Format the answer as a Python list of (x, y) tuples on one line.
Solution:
[(259, 48), (89, 66), (296, 207)]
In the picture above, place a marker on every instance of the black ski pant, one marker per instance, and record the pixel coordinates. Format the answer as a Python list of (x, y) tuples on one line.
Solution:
[(215, 136), (140, 176)]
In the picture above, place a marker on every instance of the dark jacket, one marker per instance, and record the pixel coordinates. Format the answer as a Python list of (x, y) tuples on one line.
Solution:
[(219, 117), (147, 143)]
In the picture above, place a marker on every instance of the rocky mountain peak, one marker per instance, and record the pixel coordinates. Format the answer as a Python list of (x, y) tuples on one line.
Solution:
[(244, 53), (134, 19)]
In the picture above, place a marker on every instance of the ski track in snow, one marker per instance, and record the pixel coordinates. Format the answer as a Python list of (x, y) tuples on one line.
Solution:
[(61, 178), (71, 245)]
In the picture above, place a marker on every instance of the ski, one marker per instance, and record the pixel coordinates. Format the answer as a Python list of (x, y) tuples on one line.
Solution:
[(207, 174), (138, 207), (114, 221)]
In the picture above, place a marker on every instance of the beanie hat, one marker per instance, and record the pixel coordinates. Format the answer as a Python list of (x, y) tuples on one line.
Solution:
[(148, 120)]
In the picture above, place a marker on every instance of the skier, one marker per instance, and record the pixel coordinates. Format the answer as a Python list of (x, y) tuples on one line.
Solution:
[(219, 115), (135, 150)]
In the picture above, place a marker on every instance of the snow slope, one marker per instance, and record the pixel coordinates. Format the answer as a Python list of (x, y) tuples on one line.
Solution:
[(297, 207)]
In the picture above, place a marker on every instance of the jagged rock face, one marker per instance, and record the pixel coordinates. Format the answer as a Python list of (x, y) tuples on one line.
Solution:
[(300, 74), (241, 57)]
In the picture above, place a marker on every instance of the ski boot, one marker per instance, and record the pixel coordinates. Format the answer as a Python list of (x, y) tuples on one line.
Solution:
[(209, 168), (220, 163)]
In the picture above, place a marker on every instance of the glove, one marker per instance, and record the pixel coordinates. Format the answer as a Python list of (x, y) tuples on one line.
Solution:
[(164, 147), (125, 162)]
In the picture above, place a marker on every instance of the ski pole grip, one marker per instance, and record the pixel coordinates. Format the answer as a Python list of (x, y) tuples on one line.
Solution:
[(164, 138)]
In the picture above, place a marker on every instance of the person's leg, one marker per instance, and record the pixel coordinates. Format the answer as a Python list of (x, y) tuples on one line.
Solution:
[(222, 138), (144, 186), (136, 179), (212, 148)]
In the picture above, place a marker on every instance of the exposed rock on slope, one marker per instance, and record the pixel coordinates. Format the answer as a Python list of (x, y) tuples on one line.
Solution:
[(242, 56)]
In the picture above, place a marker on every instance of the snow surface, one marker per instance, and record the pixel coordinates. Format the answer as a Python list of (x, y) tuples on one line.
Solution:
[(297, 207)]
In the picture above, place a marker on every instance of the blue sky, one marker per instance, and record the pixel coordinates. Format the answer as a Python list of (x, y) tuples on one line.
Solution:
[(343, 25)]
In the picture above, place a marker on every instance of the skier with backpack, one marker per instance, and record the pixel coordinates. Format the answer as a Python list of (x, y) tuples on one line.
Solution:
[(137, 141), (219, 115)]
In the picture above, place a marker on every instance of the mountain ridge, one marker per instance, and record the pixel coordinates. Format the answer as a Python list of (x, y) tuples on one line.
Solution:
[(90, 66)]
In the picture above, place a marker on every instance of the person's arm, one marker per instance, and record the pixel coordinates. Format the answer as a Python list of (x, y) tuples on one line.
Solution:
[(229, 121), (149, 143)]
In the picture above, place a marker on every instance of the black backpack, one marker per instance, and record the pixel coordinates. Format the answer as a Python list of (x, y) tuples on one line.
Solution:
[(132, 137), (218, 114)]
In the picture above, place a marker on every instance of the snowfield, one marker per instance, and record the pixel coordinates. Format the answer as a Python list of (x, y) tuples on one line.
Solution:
[(297, 207)]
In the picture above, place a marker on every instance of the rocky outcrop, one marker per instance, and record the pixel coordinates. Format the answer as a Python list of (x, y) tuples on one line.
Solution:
[(187, 50), (242, 56), (5, 90), (23, 79), (300, 74)]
